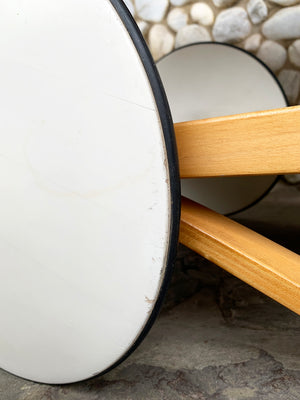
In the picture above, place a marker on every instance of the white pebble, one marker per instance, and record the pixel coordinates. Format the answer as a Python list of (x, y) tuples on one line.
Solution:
[(177, 19), (285, 3), (290, 81), (178, 2), (143, 26), (232, 25), (224, 3), (294, 53), (253, 42), (161, 41), (272, 54), (202, 13), (151, 10), (257, 10), (285, 24), (130, 6), (192, 34)]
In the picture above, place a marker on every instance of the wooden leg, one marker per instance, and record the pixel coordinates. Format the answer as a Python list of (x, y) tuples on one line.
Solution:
[(265, 265), (266, 142)]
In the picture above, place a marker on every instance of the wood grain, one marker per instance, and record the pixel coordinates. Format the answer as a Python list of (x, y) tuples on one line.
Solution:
[(265, 265), (266, 142)]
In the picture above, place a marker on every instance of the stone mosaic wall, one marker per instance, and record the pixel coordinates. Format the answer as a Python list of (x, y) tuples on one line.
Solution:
[(268, 28)]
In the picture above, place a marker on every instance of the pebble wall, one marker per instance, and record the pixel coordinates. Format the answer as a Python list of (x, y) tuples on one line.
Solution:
[(270, 29)]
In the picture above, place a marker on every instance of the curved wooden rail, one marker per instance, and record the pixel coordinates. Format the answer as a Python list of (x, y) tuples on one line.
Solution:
[(263, 264), (266, 142)]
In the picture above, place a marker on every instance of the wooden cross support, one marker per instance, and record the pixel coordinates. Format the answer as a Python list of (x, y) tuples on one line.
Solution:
[(265, 142), (258, 143)]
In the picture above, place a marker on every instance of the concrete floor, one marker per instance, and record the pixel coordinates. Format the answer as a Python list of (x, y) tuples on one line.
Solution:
[(216, 337)]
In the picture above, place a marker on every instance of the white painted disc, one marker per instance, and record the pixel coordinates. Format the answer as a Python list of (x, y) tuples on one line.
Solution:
[(212, 80), (89, 206)]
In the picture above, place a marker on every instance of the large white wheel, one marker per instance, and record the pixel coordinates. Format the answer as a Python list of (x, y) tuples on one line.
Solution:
[(89, 188)]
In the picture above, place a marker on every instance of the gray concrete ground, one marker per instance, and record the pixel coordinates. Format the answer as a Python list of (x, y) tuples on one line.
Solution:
[(216, 337)]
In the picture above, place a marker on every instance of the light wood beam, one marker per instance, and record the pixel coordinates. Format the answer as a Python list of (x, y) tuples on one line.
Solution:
[(263, 264), (266, 142)]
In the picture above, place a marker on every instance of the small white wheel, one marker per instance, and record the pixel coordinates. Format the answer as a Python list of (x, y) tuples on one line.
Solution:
[(207, 80)]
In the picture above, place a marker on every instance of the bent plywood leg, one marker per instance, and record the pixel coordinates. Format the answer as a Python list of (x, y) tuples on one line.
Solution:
[(263, 264), (257, 143)]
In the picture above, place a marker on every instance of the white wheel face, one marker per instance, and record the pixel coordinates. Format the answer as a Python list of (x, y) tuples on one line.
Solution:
[(211, 80), (85, 193)]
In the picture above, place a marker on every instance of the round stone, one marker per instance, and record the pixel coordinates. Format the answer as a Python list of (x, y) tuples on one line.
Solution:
[(149, 10), (177, 19), (232, 25), (294, 53), (202, 13), (285, 3), (290, 81), (272, 54), (253, 42), (224, 3), (143, 26), (257, 10), (161, 41), (177, 2), (285, 24), (192, 34)]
